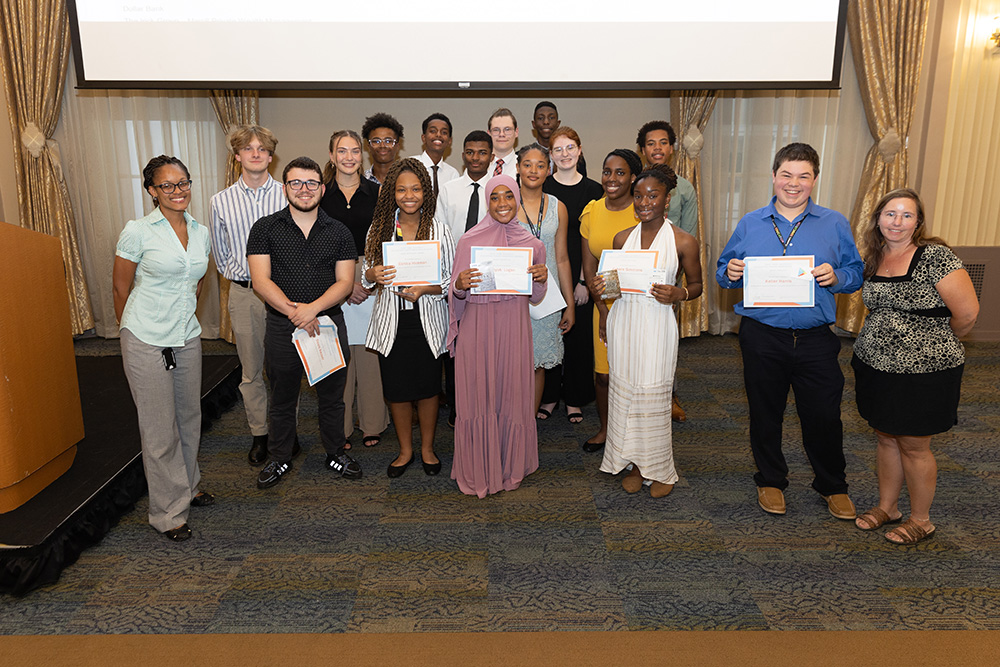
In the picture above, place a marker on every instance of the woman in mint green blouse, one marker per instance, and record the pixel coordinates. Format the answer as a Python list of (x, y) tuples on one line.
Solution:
[(160, 262)]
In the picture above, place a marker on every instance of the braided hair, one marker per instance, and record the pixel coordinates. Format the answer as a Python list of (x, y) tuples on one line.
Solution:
[(383, 226), (631, 158), (662, 173)]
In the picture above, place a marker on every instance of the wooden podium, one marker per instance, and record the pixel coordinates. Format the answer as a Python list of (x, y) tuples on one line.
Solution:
[(40, 417)]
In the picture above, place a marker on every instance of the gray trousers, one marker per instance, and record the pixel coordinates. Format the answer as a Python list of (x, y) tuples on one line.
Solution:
[(247, 315), (169, 408)]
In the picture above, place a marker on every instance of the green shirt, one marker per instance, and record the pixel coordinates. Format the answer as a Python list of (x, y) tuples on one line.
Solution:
[(683, 210)]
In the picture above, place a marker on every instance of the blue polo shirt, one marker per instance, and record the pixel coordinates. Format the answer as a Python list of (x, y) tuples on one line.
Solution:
[(824, 233), (160, 310)]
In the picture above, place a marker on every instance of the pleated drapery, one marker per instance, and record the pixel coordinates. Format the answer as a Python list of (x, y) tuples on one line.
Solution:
[(690, 111), (34, 53), (232, 108), (887, 37)]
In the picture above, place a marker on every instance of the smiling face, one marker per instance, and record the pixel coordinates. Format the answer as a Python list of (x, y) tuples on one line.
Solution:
[(651, 199), (254, 158), (657, 149), (545, 122), (476, 157), (793, 184), (177, 200), (898, 221), (437, 139), (565, 153), (504, 135), (381, 151), (616, 178), (303, 199), (533, 168), (346, 156), (409, 193), (502, 204)]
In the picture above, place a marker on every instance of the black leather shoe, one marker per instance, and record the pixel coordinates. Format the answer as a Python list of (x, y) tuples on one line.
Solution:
[(591, 447), (203, 499), (178, 534), (258, 450), (397, 471), (431, 468)]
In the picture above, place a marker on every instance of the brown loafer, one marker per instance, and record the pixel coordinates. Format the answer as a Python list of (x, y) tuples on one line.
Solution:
[(841, 507), (771, 499)]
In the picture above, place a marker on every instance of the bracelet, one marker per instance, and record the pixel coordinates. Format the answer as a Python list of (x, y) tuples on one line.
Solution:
[(687, 295)]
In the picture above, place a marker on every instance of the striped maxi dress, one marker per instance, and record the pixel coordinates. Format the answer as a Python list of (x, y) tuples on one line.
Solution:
[(642, 355)]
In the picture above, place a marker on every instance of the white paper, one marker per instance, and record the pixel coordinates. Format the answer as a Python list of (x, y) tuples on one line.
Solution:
[(552, 302), (509, 268), (321, 354), (357, 318), (635, 268), (779, 282), (416, 262)]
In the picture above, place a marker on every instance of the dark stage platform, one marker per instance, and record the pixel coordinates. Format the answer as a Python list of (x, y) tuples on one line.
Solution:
[(48, 533)]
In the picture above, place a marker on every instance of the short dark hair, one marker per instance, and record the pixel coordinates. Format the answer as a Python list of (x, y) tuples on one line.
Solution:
[(149, 171), (652, 126), (378, 120), (434, 116), (302, 163), (479, 135), (797, 152), (661, 172), (543, 104)]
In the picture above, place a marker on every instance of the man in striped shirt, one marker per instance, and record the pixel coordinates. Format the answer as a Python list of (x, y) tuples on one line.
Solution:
[(254, 195)]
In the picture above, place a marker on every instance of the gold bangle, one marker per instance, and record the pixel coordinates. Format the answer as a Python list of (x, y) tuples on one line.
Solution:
[(687, 295)]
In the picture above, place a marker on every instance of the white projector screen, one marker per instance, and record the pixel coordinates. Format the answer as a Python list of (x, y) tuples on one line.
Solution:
[(458, 44)]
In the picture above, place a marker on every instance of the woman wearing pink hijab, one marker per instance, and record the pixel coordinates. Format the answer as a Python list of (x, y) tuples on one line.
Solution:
[(496, 444)]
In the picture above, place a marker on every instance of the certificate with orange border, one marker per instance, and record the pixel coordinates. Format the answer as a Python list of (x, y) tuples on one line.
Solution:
[(779, 282), (321, 355), (635, 268), (505, 270), (416, 262)]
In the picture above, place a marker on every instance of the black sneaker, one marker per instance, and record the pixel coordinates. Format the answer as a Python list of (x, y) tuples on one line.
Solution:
[(342, 462), (271, 474)]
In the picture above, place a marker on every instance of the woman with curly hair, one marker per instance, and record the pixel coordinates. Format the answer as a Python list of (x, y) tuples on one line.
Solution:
[(408, 324), (908, 359)]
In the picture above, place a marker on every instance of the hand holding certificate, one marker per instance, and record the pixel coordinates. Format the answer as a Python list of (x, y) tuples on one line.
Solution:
[(416, 262), (502, 270), (779, 282), (321, 355), (635, 268)]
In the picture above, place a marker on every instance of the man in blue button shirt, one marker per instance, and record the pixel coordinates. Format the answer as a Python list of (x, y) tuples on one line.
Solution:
[(786, 347)]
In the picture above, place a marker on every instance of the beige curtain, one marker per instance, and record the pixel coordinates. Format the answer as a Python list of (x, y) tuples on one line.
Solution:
[(232, 108), (887, 37), (689, 112), (35, 51)]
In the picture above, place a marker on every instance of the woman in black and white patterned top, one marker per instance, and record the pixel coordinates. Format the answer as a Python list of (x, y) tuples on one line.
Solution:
[(908, 359)]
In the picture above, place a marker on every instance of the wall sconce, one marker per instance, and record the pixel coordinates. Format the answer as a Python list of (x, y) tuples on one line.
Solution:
[(995, 37)]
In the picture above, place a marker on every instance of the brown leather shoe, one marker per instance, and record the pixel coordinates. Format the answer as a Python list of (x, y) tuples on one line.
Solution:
[(660, 490), (771, 499), (677, 412), (841, 506)]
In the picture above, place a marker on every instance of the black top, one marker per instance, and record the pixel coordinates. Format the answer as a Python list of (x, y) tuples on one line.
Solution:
[(303, 268), (358, 216), (575, 198)]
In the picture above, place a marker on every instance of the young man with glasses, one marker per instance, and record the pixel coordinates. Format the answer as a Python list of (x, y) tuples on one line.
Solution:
[(383, 134), (302, 264), (503, 129), (232, 213)]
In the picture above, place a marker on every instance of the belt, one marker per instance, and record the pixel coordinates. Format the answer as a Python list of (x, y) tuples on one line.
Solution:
[(242, 283)]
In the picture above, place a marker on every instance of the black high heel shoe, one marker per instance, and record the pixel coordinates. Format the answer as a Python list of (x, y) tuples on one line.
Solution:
[(397, 471), (431, 468)]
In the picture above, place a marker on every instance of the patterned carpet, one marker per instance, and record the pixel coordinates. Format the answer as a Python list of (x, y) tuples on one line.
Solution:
[(569, 550)]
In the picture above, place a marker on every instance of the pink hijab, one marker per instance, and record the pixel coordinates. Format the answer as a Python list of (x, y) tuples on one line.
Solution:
[(489, 232)]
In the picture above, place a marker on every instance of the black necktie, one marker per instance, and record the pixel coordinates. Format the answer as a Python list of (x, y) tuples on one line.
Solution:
[(435, 168), (473, 217)]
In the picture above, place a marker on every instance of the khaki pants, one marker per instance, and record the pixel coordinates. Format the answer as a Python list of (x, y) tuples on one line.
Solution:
[(247, 313)]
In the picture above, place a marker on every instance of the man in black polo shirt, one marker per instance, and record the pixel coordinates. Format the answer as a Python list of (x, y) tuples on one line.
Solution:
[(302, 264)]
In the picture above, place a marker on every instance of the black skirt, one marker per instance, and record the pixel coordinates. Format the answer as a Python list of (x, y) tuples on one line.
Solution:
[(917, 404), (410, 372)]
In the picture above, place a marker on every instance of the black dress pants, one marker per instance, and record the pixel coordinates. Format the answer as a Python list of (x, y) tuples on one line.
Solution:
[(805, 360), (284, 373)]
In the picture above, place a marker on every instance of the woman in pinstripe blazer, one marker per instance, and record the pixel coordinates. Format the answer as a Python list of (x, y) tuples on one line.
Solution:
[(408, 325)]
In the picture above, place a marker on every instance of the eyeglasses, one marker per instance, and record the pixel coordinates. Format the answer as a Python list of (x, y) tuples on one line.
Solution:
[(255, 149), (501, 131), (168, 188), (375, 143), (311, 186), (568, 149)]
